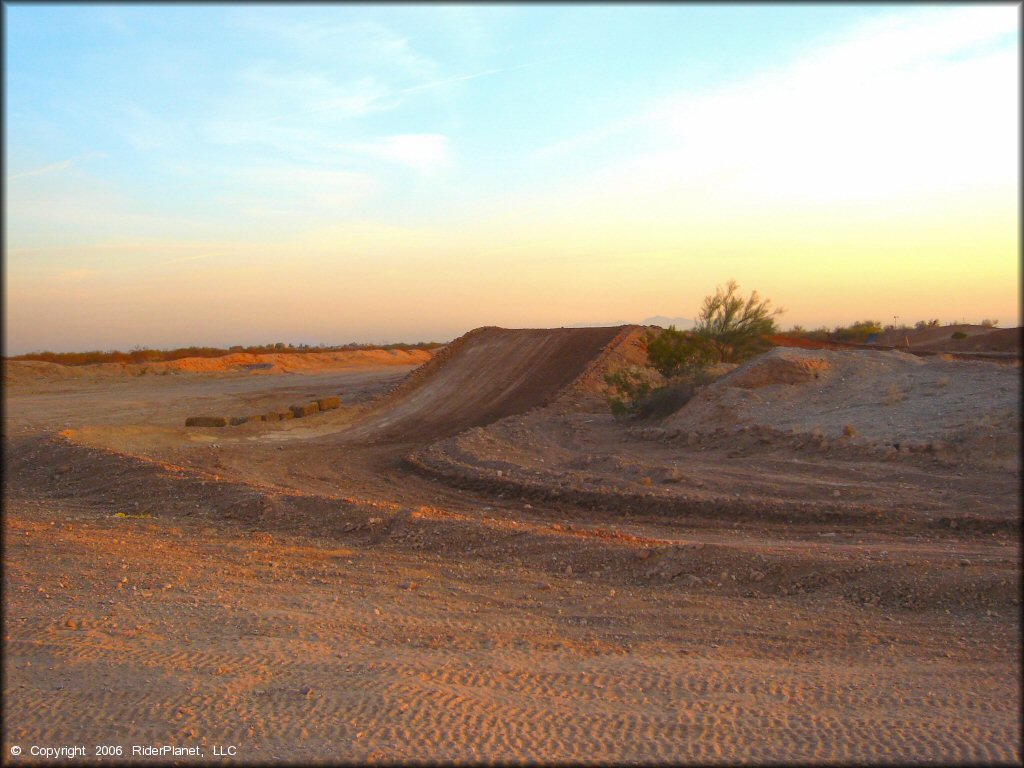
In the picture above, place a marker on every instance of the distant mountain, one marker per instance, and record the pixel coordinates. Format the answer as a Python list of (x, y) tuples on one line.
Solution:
[(681, 323), (599, 324)]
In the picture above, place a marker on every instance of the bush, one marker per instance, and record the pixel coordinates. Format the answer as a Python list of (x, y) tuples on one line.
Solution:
[(857, 332), (674, 353), (987, 323), (734, 327), (633, 393), (664, 401), (627, 388), (799, 332), (729, 328), (958, 335)]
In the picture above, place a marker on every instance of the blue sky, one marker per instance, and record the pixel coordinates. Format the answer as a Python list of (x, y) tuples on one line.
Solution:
[(452, 166)]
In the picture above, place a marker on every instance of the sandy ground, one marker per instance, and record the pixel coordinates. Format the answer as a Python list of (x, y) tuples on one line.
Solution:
[(482, 565)]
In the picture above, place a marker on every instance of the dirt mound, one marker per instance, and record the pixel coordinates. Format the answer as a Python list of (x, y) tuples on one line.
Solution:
[(628, 348), (1004, 340), (494, 372), (782, 367), (31, 371), (868, 398), (931, 337)]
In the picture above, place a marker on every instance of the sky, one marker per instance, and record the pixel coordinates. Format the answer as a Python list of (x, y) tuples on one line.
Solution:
[(244, 174)]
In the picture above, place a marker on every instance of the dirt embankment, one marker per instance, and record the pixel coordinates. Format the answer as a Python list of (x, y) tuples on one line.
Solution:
[(491, 373), (851, 437), (27, 372), (969, 341), (973, 338)]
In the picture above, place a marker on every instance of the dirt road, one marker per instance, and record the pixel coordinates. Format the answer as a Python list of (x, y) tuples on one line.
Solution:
[(330, 589)]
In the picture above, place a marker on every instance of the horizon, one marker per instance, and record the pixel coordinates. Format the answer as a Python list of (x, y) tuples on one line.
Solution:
[(222, 175), (305, 347)]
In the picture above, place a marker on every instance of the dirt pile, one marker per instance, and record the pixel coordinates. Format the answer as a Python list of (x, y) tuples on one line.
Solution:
[(1006, 340), (491, 373), (20, 372), (972, 338), (881, 398), (783, 367)]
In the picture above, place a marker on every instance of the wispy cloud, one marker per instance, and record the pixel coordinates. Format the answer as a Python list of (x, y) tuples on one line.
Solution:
[(908, 104), (423, 152), (590, 139), (473, 76), (310, 92), (60, 165), (365, 42), (296, 193)]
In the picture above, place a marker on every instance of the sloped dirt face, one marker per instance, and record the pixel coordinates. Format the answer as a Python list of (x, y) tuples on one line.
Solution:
[(307, 592), (496, 373)]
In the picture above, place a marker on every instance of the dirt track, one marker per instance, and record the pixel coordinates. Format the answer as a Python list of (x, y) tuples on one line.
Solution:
[(336, 588)]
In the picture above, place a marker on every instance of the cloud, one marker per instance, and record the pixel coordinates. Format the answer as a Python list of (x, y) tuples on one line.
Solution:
[(423, 152), (588, 139), (310, 91), (296, 193), (906, 106), (364, 42), (60, 165), (896, 109), (473, 76)]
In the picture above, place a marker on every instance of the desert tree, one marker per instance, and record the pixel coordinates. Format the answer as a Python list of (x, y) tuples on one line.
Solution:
[(734, 327)]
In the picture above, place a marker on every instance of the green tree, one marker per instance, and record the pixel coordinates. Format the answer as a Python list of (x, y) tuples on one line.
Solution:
[(734, 326)]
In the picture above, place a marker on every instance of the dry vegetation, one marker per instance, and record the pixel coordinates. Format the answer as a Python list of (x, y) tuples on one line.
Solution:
[(140, 355)]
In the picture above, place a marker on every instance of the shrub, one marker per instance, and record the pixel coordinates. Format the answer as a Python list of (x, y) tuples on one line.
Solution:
[(675, 353), (627, 388), (987, 323), (636, 392), (729, 328), (857, 332), (666, 400), (958, 335), (734, 327)]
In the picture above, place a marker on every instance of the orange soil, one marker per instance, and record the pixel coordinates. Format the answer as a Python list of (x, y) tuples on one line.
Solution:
[(480, 565)]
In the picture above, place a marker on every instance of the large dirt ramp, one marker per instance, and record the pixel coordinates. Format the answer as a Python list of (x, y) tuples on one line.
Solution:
[(484, 376)]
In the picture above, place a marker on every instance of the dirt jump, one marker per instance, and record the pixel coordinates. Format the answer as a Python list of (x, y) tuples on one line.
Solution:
[(491, 373), (816, 559)]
